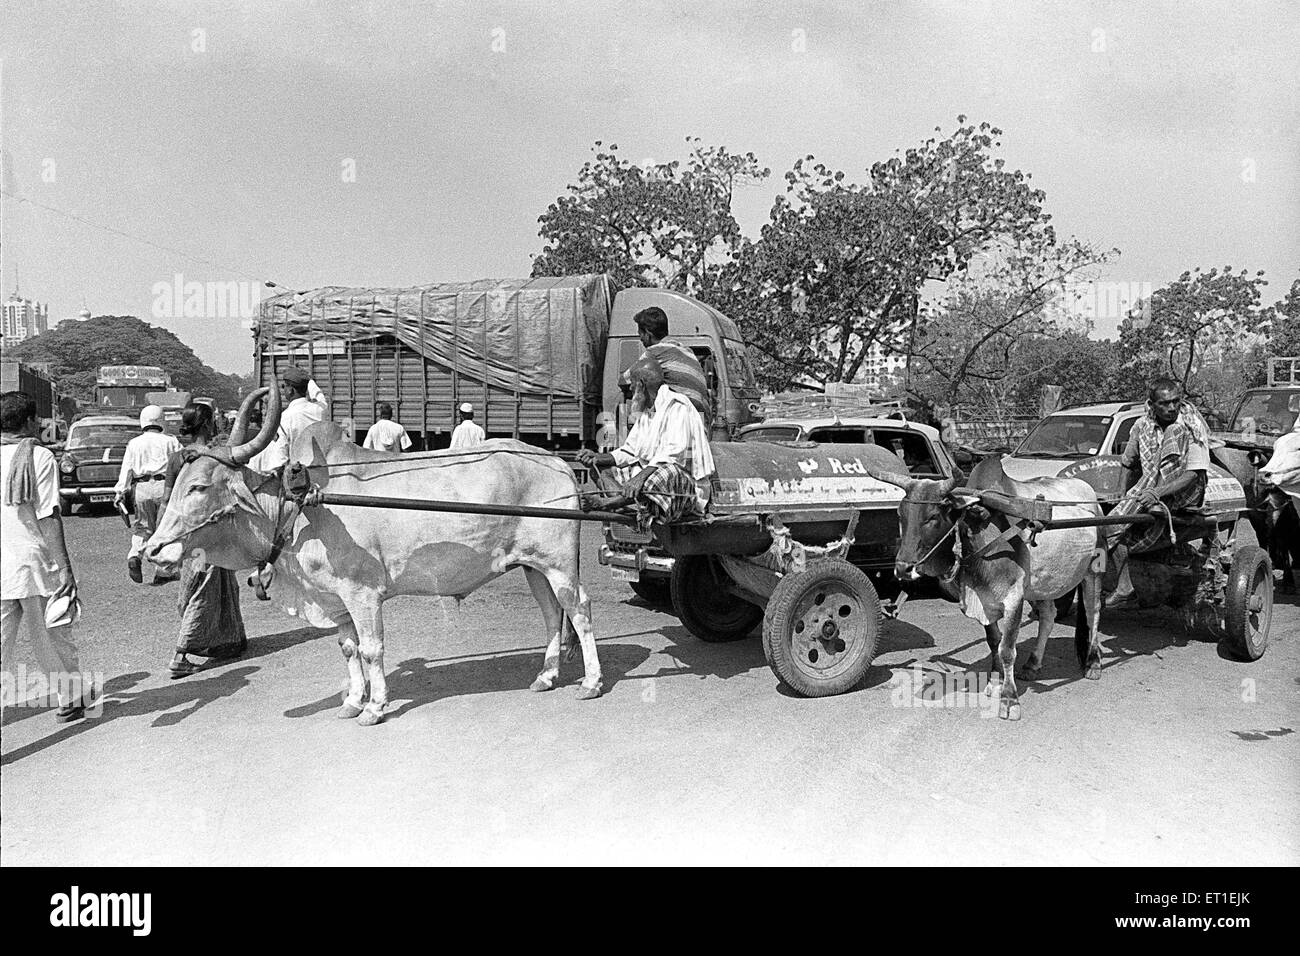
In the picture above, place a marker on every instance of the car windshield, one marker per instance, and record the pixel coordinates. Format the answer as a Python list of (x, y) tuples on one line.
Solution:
[(1268, 413), (1065, 436), (85, 436), (771, 434)]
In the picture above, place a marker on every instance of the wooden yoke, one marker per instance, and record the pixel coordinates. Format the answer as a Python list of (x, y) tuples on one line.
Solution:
[(1023, 508)]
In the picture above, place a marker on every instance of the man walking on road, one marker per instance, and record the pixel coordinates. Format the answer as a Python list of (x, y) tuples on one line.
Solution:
[(34, 562), (467, 433), (386, 434), (144, 471)]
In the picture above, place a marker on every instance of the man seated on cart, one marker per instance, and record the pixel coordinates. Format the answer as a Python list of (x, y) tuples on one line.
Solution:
[(665, 464), (1169, 449)]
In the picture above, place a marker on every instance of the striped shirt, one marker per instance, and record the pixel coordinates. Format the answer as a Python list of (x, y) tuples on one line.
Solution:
[(683, 372)]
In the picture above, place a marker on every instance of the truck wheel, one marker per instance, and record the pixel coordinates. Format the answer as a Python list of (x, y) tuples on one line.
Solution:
[(820, 629), (707, 610), (1248, 602), (655, 589)]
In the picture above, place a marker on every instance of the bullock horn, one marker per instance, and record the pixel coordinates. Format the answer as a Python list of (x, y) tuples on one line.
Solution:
[(241, 454), (949, 486), (241, 418), (893, 478)]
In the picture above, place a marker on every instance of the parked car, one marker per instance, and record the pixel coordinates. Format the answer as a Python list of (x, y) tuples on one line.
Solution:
[(92, 458), (1071, 436), (632, 556), (1086, 442)]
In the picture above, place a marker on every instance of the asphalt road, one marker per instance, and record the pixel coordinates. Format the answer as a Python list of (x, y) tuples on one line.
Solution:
[(1177, 755)]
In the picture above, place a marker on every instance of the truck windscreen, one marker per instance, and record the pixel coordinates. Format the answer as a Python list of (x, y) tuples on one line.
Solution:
[(1268, 413)]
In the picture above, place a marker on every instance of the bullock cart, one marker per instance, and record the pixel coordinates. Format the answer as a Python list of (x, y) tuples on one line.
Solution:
[(1213, 571), (793, 530)]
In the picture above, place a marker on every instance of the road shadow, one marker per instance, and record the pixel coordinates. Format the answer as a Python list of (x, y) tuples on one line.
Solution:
[(172, 703), (418, 681)]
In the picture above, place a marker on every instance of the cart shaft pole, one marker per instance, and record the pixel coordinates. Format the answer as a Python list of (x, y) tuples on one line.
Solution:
[(1099, 521), (474, 508)]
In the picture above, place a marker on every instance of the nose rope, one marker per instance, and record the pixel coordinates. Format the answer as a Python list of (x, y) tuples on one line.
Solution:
[(938, 544)]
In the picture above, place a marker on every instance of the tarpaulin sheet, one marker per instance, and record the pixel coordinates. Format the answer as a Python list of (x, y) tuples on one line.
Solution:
[(543, 336)]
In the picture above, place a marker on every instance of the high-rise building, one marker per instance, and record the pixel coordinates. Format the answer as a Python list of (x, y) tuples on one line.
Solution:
[(23, 319), (880, 369)]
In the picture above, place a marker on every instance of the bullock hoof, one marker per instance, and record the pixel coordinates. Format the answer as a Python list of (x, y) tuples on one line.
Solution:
[(1029, 671), (369, 718), (1009, 709), (1093, 671), (538, 685), (992, 688), (590, 693), (348, 711)]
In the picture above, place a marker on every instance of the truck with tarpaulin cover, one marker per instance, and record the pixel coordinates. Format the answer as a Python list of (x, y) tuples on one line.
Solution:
[(539, 359)]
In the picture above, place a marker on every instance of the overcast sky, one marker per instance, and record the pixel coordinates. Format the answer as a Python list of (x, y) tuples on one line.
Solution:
[(1168, 129)]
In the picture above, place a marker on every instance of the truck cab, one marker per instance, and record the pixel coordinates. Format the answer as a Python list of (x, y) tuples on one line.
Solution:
[(712, 336), (126, 388)]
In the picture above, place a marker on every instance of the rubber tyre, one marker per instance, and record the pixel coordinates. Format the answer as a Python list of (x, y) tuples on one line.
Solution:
[(655, 589), (1251, 576), (705, 609), (798, 663)]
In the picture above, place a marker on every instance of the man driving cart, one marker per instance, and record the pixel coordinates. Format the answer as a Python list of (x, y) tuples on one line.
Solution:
[(665, 464), (1170, 452)]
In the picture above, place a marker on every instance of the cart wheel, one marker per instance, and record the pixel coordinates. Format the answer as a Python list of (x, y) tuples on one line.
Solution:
[(819, 632), (706, 609), (655, 589), (1248, 603)]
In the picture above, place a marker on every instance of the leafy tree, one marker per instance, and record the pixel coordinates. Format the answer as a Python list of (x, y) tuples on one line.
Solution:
[(668, 224), (76, 350), (1284, 322), (1087, 370), (840, 266), (1199, 315), (967, 349)]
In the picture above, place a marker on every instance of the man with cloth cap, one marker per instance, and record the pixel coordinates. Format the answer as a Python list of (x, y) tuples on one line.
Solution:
[(144, 471), (666, 462), (468, 433), (303, 406)]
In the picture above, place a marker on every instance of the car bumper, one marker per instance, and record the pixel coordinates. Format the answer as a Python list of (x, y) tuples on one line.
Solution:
[(78, 494), (640, 559)]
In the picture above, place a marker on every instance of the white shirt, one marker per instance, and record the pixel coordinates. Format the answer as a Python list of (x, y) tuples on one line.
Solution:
[(387, 435), (27, 565), (673, 433), (297, 417), (467, 434), (146, 454)]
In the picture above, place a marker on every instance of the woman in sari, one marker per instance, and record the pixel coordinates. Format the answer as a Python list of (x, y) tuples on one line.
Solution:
[(211, 624)]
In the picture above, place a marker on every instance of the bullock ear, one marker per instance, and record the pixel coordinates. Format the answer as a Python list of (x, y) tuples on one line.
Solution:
[(962, 501)]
